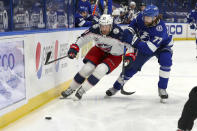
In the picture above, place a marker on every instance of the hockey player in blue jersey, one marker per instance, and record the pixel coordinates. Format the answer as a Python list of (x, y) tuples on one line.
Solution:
[(84, 3), (148, 34), (82, 19), (192, 20)]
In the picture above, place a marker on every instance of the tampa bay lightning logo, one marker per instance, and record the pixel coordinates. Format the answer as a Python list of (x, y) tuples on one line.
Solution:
[(144, 36), (105, 47), (159, 28)]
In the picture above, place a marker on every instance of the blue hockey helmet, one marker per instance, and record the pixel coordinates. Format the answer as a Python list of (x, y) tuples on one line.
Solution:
[(151, 11), (83, 9)]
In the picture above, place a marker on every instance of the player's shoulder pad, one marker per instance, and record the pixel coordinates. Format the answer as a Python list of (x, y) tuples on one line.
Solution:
[(116, 29), (95, 26), (94, 29), (161, 28), (139, 15)]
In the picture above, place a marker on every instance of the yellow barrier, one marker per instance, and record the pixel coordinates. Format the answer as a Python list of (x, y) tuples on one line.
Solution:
[(33, 104), (179, 39)]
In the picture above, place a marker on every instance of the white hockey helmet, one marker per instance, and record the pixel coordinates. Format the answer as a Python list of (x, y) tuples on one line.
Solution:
[(132, 3), (106, 19), (105, 24), (116, 12), (122, 10)]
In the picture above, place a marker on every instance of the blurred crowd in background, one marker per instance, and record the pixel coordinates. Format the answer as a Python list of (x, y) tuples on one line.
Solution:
[(56, 14), (123, 11)]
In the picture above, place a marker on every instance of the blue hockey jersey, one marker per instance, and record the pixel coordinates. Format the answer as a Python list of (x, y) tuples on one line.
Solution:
[(85, 4), (80, 21), (151, 38), (192, 17)]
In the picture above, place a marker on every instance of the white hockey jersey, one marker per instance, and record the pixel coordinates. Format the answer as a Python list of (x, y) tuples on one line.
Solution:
[(111, 43)]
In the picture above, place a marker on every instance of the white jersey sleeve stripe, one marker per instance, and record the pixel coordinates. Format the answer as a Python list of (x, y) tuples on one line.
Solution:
[(131, 30), (164, 74), (151, 46), (82, 23), (171, 43)]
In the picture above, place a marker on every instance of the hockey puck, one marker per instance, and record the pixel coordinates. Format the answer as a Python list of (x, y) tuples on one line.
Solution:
[(48, 118)]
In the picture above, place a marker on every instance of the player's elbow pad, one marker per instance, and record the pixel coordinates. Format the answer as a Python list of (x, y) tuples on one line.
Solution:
[(88, 24), (127, 36)]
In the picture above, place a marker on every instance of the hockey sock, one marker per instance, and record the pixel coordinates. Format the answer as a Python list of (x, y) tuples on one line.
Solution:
[(80, 77), (100, 71)]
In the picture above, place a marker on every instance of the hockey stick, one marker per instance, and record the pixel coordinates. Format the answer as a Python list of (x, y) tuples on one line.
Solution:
[(95, 6), (106, 8), (48, 57), (196, 40), (122, 76)]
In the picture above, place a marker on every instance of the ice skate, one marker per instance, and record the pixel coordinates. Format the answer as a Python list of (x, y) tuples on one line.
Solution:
[(67, 92), (182, 130), (111, 91), (79, 94), (163, 95)]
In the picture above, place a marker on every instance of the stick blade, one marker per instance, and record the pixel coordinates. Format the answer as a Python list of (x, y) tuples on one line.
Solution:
[(48, 57), (125, 92)]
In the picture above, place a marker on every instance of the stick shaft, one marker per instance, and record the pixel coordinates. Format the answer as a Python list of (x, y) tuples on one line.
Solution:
[(49, 62), (95, 6)]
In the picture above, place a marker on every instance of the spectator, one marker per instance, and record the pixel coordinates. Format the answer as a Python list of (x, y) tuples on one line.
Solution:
[(142, 6), (82, 19), (84, 3), (131, 14), (116, 16), (97, 11)]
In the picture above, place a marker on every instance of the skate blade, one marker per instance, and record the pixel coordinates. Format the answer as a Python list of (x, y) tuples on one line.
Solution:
[(107, 97), (74, 98), (163, 101)]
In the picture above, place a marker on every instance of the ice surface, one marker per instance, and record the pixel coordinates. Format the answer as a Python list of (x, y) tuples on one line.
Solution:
[(139, 112)]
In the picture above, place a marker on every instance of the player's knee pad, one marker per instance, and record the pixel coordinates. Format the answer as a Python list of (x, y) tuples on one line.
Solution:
[(165, 59), (87, 69), (100, 71), (193, 94)]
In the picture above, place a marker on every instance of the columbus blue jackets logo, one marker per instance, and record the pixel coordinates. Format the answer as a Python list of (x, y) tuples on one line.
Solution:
[(105, 47)]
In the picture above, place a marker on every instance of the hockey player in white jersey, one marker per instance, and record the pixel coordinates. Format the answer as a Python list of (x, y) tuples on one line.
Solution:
[(102, 58)]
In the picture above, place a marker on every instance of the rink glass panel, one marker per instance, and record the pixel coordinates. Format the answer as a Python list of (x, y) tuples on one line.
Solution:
[(173, 11), (4, 15), (28, 14), (55, 14)]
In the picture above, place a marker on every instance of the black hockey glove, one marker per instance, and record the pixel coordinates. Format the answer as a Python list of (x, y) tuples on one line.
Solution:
[(192, 26), (72, 52)]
